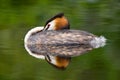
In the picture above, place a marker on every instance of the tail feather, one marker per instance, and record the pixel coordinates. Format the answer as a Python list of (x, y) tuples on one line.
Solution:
[(98, 42)]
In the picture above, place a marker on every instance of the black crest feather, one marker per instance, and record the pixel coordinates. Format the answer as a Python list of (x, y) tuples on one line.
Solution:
[(56, 16)]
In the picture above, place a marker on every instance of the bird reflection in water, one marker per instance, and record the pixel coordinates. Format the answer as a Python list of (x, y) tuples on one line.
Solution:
[(56, 43)]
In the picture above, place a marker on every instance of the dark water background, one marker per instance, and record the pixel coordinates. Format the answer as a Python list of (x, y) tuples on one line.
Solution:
[(101, 17)]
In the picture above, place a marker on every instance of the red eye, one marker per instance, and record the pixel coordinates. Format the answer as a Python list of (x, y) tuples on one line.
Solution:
[(47, 27)]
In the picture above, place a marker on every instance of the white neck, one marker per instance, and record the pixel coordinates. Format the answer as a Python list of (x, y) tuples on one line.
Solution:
[(26, 41)]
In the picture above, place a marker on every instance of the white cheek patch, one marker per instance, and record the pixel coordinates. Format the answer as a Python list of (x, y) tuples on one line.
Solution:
[(52, 25), (25, 42), (51, 59)]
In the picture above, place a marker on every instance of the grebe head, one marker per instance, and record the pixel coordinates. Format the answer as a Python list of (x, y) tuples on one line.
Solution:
[(57, 22), (58, 61)]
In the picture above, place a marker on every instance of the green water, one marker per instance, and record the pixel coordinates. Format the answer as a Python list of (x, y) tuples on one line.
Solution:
[(100, 17)]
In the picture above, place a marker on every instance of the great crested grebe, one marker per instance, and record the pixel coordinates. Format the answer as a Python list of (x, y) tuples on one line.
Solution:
[(58, 22), (57, 44)]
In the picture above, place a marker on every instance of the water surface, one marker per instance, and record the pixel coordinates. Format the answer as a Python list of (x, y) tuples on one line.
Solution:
[(97, 17)]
